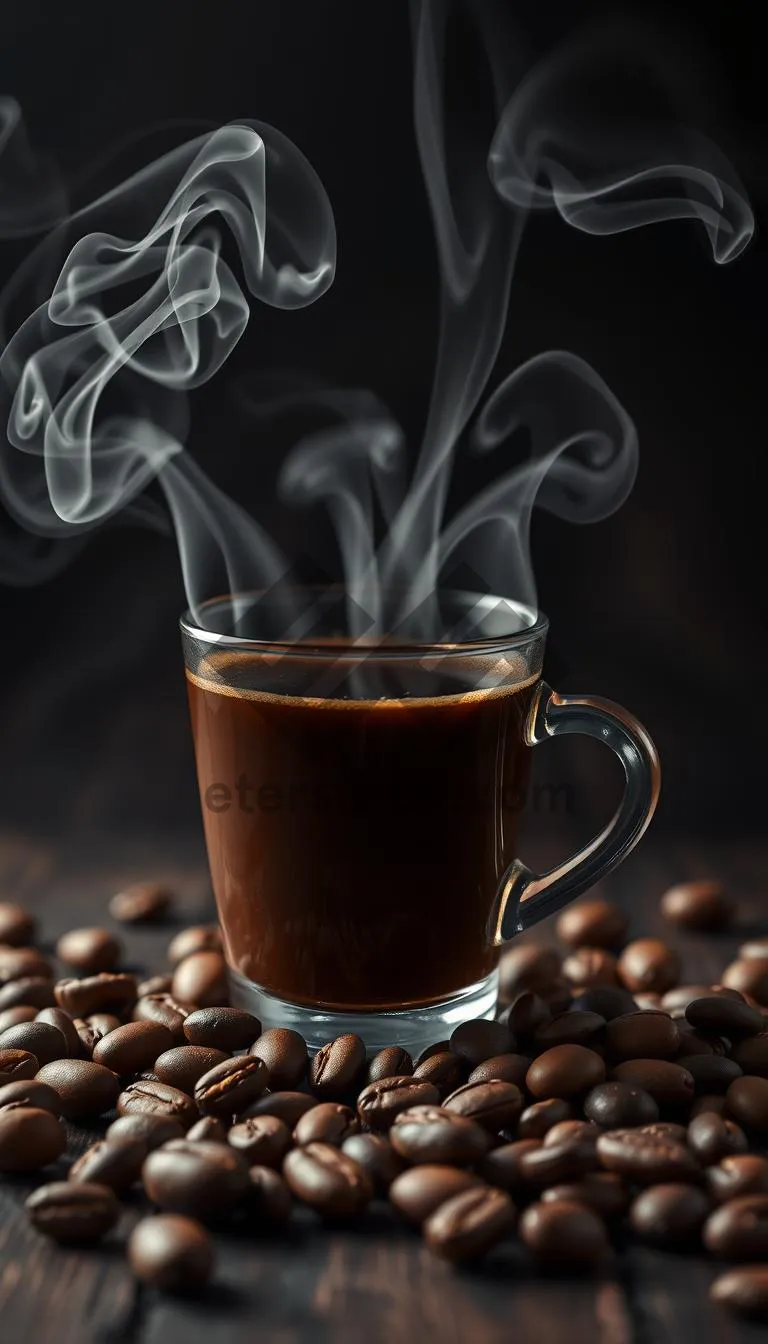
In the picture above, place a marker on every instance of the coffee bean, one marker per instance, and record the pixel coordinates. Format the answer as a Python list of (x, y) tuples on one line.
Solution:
[(231, 1086), (141, 903), (444, 1071), (586, 967), (592, 923), (470, 1223), (337, 1068), (184, 1065), (30, 1138), (669, 1084), (702, 905), (710, 1073), (196, 938), (103, 1023), (605, 1193), (89, 950), (68, 1212), (503, 1166), (17, 925), (20, 963), (287, 1106), (747, 1102), (553, 1163), (712, 1138), (608, 1001), (754, 947), (392, 1062), (16, 1065), (171, 1253), (649, 965), (620, 1106), (571, 1028), (738, 1230), (153, 1130), (669, 1215), (330, 1122), (169, 1011), (538, 1119), (376, 1156), (429, 1134), (501, 1068), (741, 1174), (202, 979), (495, 1105), (476, 1041), (416, 1193), (645, 1157), (156, 984), (743, 1290), (526, 966), (524, 1014), (11, 1017), (157, 1099), (749, 976), (438, 1048), (328, 1180), (262, 1141), (721, 1013), (112, 1162), (570, 1129), (285, 1054), (113, 992), (564, 1071), (56, 1017), (648, 1003), (202, 1180), (564, 1235), (668, 1129), (31, 991), (642, 1035), (131, 1048), (222, 1028), (751, 1055), (40, 1039), (268, 1197), (84, 1089), (207, 1130), (379, 1104), (29, 1092)]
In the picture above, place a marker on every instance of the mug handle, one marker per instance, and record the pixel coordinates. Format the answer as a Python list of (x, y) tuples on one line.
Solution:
[(525, 897)]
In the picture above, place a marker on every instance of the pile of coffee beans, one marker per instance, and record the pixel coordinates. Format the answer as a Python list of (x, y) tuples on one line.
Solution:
[(607, 1100)]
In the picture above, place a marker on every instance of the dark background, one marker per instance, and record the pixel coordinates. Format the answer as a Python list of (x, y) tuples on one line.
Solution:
[(660, 607)]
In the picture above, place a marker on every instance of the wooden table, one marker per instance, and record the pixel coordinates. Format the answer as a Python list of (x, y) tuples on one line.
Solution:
[(375, 1284)]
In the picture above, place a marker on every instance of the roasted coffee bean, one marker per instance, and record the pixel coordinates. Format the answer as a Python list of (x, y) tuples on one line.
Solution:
[(31, 991), (586, 967), (526, 966), (196, 938), (564, 1235), (156, 984), (668, 1129), (68, 1212), (469, 1224), (747, 1102), (287, 1106), (89, 950), (202, 1180), (202, 979), (131, 1048), (525, 1014), (56, 1017), (608, 1000), (110, 992), (328, 1180), (503, 1069), (231, 1086), (754, 947), (17, 925), (738, 1230), (17, 1065), (592, 923), (285, 1054), (84, 1089), (444, 1071), (669, 1084), (40, 1039), (416, 1193), (642, 1035), (743, 1290), (503, 1166), (330, 1122), (602, 1191), (88, 1035), (648, 1003), (29, 1092), (702, 905), (707, 1103), (571, 1028), (141, 903), (476, 1041), (207, 1130), (30, 1138), (103, 1023), (672, 1214), (153, 1130), (748, 976), (721, 1013), (495, 1105), (553, 1163), (649, 966), (538, 1119), (438, 1048), (751, 1055), (171, 1253), (184, 1065), (392, 1062), (112, 1162), (711, 1073), (741, 1174), (337, 1068), (145, 1097), (431, 1135), (620, 1106), (262, 1141), (647, 1156), (222, 1028), (11, 1017), (268, 1198), (564, 1071), (169, 1011), (20, 963), (379, 1104), (376, 1156), (712, 1138), (570, 1129)]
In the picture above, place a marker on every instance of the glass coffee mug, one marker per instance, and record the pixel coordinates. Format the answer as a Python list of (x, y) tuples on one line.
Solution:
[(356, 803)]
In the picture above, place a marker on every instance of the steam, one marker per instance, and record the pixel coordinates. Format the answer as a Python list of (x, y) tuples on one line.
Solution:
[(97, 410)]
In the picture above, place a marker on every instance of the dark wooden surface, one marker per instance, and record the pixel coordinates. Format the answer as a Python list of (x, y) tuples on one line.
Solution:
[(376, 1283)]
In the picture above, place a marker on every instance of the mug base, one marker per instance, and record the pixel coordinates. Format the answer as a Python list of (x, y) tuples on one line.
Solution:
[(412, 1028)]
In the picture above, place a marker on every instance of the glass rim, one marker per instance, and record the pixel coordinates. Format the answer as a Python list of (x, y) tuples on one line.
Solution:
[(313, 647)]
